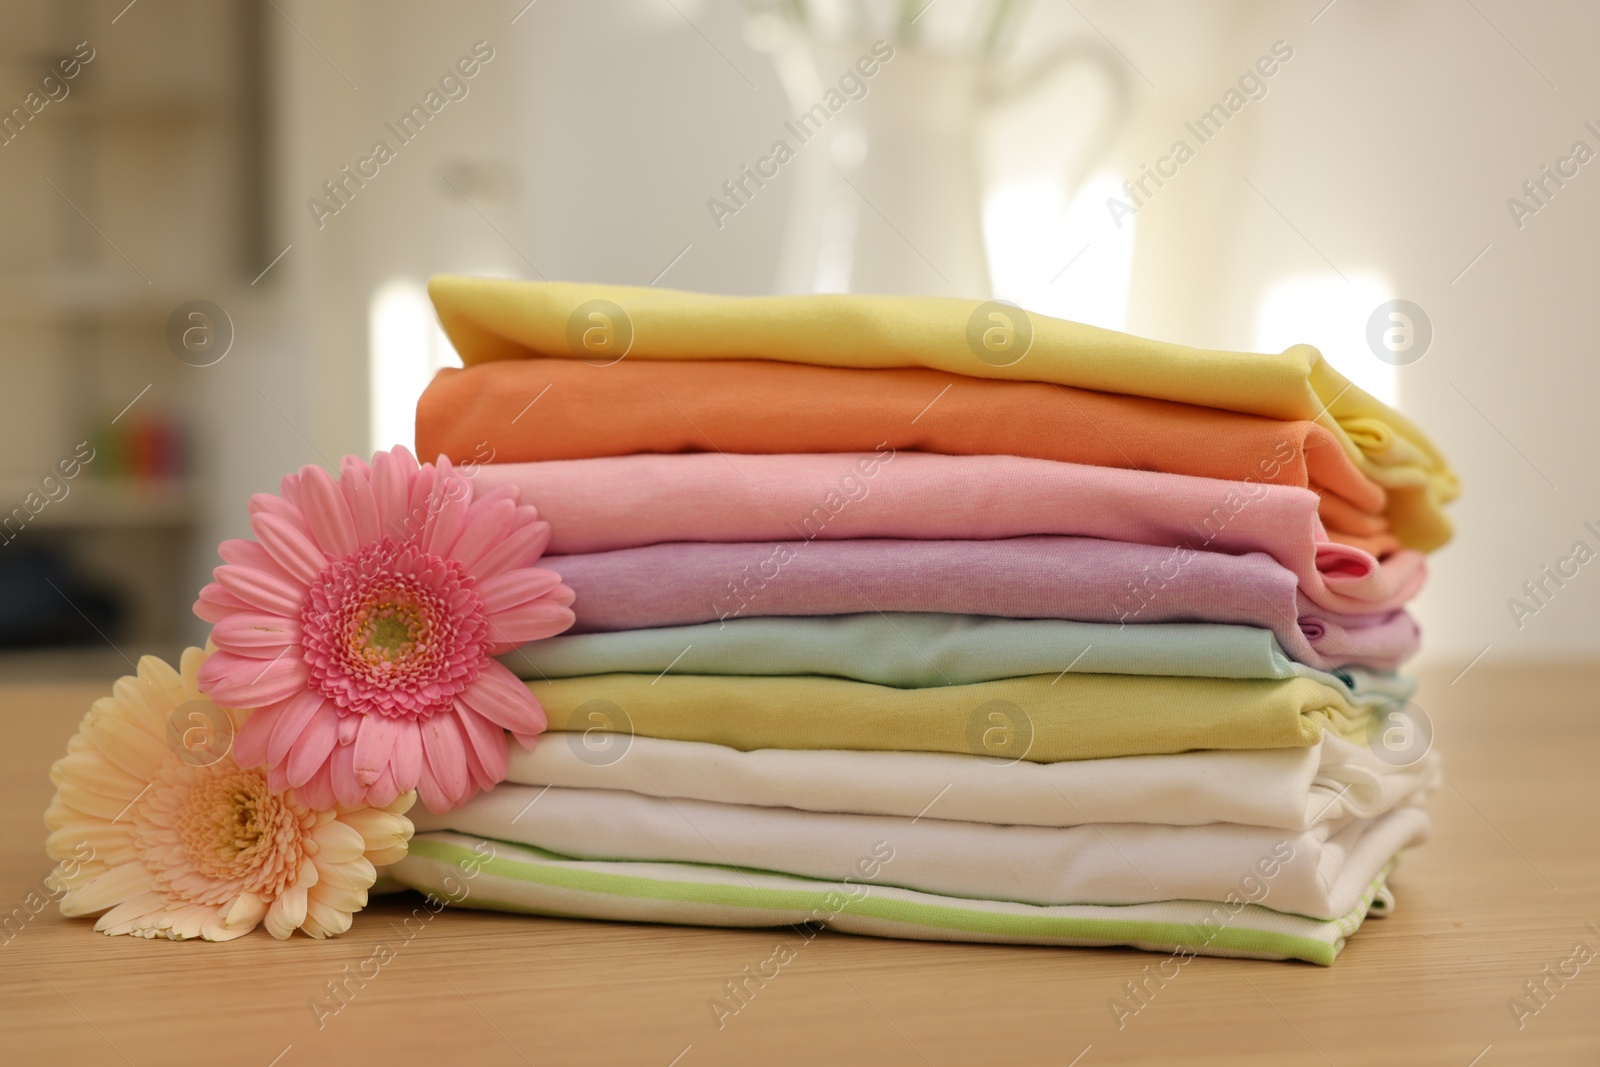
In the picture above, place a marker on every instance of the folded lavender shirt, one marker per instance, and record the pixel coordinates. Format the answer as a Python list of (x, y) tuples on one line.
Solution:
[(1079, 578), (596, 505)]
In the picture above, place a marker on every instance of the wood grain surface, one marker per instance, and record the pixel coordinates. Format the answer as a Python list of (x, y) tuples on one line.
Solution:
[(1505, 889)]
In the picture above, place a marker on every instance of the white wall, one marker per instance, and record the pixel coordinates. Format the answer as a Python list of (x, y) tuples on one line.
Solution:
[(1390, 142), (566, 143)]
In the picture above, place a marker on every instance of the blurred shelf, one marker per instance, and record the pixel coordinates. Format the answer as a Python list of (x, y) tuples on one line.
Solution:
[(102, 663), (203, 106), (99, 504), (104, 292)]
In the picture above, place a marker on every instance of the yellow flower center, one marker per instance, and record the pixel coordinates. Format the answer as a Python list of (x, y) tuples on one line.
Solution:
[(208, 833), (229, 825), (393, 630), (389, 631)]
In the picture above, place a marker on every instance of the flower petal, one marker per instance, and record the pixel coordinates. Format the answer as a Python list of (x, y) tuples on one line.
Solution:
[(289, 490), (216, 929), (384, 789), (515, 588), (272, 504), (312, 748), (260, 589), (533, 621), (104, 839), (446, 757), (406, 758), (423, 500), (167, 683), (355, 484), (139, 912), (257, 634), (373, 746), (488, 743), (392, 473), (93, 771), (291, 723), (498, 696), (342, 766), (474, 764), (326, 512), (246, 912), (290, 546), (488, 522), (520, 548), (286, 913), (385, 856), (318, 792), (379, 828), (88, 803), (338, 842), (250, 742), (342, 885), (186, 923), (131, 700), (131, 749), (452, 499), (242, 553), (111, 888), (242, 682), (215, 603), (323, 920), (433, 797)]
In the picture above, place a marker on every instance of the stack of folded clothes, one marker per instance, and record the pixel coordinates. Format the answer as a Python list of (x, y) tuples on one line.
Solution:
[(883, 624)]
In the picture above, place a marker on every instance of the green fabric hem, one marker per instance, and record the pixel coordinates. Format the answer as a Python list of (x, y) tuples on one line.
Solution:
[(929, 916)]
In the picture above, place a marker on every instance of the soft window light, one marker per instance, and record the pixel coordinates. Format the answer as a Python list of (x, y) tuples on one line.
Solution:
[(1332, 314), (405, 348), (1080, 268)]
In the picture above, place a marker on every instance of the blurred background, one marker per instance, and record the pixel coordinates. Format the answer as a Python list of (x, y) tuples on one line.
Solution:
[(211, 274)]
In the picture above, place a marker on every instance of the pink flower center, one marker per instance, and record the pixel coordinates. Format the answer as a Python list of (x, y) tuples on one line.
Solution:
[(393, 630)]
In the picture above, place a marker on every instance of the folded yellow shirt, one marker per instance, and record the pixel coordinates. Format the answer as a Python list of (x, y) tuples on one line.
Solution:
[(1042, 718), (492, 319)]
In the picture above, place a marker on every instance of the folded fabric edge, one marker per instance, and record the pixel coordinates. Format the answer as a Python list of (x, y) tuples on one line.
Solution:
[(1338, 778), (496, 319), (533, 881), (1082, 645), (1323, 711)]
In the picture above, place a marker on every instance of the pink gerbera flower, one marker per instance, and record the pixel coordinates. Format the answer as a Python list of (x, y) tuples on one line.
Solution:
[(361, 627)]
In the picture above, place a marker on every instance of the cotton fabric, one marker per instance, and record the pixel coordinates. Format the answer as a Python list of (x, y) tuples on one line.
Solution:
[(910, 650), (597, 505), (1320, 872), (516, 878), (1290, 789), (510, 412), (1042, 718), (1090, 639), (1078, 578), (492, 319)]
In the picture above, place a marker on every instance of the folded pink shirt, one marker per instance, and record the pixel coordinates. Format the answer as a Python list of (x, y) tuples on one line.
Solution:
[(596, 505), (1079, 578)]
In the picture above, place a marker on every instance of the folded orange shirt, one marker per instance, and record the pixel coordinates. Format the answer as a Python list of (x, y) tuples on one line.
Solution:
[(537, 409)]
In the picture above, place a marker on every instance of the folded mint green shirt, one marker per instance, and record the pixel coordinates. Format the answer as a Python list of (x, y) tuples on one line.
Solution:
[(913, 651)]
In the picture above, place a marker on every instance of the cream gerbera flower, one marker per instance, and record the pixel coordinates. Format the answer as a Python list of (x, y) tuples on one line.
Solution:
[(185, 843)]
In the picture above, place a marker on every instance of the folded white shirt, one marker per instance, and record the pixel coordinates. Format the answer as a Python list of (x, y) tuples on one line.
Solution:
[(473, 872), (1321, 872), (1290, 789)]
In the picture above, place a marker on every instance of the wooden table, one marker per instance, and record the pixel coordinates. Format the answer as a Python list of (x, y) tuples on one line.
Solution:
[(1505, 888)]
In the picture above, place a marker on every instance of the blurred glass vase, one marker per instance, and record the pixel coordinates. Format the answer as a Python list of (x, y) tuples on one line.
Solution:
[(888, 175)]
